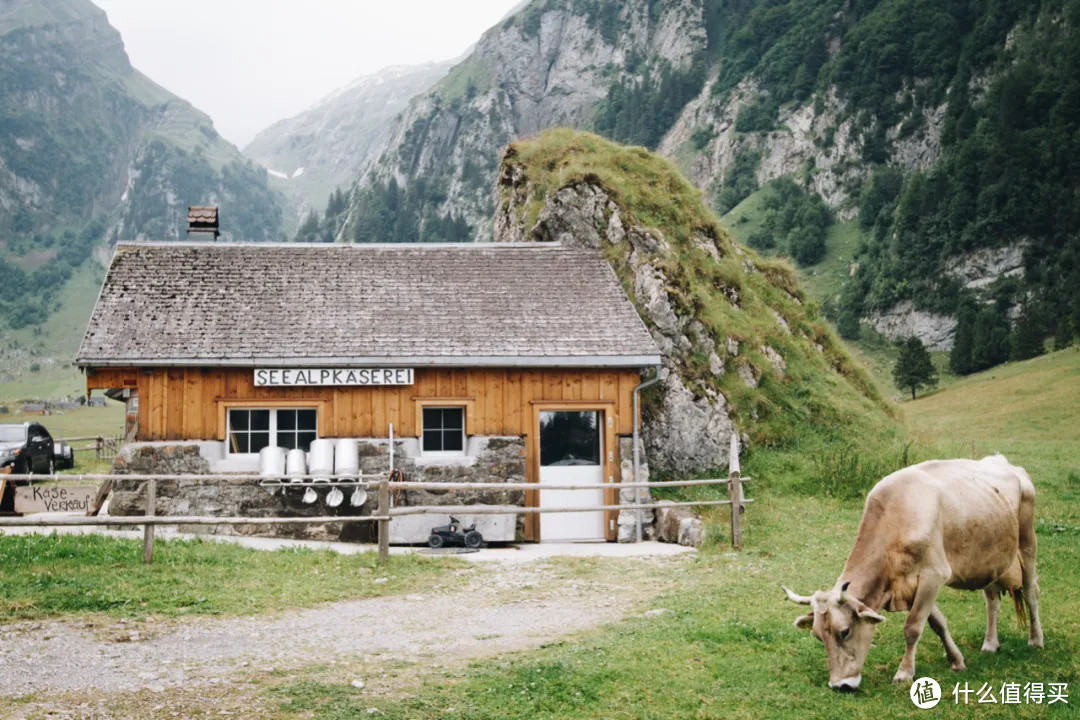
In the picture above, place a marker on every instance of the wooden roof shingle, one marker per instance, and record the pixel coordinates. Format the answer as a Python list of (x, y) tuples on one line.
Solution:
[(294, 304)]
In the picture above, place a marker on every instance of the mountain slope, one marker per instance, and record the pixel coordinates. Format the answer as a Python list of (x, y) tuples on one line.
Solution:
[(549, 64), (323, 148), (922, 126), (92, 151), (743, 349)]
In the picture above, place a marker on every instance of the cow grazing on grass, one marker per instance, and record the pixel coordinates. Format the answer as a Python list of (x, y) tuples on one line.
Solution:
[(968, 524)]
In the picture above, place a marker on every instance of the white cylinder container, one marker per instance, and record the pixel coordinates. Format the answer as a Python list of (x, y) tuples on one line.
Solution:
[(346, 457), (296, 464), (272, 461), (321, 459)]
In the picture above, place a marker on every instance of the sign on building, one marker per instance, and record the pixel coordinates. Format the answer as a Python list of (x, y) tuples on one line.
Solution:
[(291, 377)]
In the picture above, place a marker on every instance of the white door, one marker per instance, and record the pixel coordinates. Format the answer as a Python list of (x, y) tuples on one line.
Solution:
[(570, 452)]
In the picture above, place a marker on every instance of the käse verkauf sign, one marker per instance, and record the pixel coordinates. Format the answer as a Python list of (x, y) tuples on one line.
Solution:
[(34, 499), (291, 377)]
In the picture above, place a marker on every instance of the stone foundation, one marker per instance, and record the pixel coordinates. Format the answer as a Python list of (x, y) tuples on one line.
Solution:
[(488, 459)]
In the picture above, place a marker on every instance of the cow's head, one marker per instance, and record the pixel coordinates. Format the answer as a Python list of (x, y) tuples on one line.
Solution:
[(846, 627)]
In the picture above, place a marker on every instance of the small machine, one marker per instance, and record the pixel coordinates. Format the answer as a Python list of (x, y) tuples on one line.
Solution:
[(454, 534)]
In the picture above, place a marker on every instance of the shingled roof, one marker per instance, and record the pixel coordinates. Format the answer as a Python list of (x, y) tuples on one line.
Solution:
[(294, 305)]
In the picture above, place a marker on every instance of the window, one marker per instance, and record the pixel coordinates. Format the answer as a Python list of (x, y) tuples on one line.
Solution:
[(296, 428), (444, 430), (252, 429), (569, 437)]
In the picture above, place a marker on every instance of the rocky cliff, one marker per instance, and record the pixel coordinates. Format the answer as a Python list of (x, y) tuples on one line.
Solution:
[(325, 147), (549, 64), (743, 349)]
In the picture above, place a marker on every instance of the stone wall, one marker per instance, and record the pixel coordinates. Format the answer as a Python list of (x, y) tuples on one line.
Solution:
[(489, 459)]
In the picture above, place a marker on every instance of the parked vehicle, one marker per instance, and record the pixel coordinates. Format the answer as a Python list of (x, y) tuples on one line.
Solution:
[(454, 534), (29, 448)]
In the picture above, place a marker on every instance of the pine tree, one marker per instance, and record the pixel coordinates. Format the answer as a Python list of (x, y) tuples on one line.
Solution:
[(914, 369), (960, 361), (990, 345), (1027, 337)]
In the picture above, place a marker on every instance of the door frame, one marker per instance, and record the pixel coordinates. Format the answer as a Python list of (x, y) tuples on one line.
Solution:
[(609, 461)]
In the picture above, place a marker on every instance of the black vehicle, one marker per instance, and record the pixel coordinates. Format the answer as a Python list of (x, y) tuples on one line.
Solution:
[(29, 448), (453, 534)]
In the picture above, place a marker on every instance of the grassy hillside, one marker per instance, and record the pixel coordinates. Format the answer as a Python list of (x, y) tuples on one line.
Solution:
[(723, 644)]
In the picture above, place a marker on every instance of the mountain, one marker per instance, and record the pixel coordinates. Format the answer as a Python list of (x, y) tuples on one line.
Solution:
[(744, 351), (314, 153), (549, 64), (92, 151), (939, 138)]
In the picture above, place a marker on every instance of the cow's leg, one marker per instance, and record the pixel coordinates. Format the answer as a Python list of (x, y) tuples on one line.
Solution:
[(939, 626), (925, 601), (1028, 551), (993, 604)]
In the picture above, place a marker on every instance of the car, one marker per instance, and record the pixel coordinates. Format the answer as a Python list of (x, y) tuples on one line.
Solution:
[(29, 448)]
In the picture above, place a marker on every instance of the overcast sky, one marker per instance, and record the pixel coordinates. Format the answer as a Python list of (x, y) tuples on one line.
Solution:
[(249, 63)]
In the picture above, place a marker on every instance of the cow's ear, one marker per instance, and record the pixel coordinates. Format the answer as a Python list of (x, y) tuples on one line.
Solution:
[(805, 622), (870, 616)]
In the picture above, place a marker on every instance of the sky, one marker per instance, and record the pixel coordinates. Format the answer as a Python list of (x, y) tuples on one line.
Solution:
[(250, 63)]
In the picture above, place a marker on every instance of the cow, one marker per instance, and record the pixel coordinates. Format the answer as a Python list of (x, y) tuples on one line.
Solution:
[(968, 524)]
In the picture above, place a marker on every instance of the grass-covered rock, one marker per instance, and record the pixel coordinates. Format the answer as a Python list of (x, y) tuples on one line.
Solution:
[(744, 349)]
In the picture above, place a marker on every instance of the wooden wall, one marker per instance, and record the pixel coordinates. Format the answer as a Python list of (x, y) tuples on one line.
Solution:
[(188, 403)]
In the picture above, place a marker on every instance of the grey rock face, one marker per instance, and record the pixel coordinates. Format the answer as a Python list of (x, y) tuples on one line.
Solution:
[(903, 321), (523, 81), (978, 269)]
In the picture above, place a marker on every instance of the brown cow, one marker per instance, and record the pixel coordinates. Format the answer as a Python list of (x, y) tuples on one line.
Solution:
[(968, 524)]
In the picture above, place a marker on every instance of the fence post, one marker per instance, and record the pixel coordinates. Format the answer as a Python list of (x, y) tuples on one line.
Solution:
[(98, 442), (148, 530), (735, 493), (384, 525)]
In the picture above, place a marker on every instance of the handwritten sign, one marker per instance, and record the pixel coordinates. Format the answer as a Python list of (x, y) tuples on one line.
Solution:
[(34, 499), (291, 377)]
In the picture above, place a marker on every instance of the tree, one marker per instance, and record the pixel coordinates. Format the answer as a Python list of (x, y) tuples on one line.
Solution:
[(990, 344), (914, 369), (960, 361), (1027, 337)]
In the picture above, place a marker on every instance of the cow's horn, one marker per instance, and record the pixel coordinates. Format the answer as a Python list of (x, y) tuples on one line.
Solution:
[(800, 599)]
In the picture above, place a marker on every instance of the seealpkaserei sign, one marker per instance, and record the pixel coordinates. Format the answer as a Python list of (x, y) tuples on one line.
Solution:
[(293, 377)]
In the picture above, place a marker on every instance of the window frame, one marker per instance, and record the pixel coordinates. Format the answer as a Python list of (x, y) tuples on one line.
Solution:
[(464, 433), (272, 429)]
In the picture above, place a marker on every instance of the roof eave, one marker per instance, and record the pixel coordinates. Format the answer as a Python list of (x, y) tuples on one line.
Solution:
[(608, 361)]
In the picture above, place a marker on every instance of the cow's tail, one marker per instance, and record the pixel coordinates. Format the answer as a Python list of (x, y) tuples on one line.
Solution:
[(1018, 602)]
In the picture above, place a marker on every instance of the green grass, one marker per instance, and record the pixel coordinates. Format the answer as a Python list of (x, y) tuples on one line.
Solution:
[(728, 648), (65, 576)]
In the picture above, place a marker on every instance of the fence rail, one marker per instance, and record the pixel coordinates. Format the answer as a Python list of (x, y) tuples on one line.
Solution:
[(385, 511)]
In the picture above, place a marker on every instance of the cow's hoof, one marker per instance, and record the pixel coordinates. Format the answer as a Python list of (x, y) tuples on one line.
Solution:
[(903, 677), (990, 647), (958, 665), (1035, 642)]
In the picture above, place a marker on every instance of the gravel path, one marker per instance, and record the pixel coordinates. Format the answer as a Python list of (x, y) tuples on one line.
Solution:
[(500, 608)]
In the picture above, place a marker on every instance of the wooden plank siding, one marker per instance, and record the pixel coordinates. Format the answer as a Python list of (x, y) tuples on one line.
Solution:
[(184, 403)]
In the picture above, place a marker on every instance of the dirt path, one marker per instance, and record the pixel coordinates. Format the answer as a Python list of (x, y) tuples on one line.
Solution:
[(499, 608)]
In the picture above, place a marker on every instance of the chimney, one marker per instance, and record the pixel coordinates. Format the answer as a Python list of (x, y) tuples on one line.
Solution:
[(203, 220)]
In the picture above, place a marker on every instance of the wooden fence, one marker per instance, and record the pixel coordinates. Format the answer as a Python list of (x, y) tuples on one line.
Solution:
[(385, 511), (104, 447)]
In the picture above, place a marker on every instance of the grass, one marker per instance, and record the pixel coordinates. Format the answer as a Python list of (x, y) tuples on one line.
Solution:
[(79, 576), (728, 649)]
